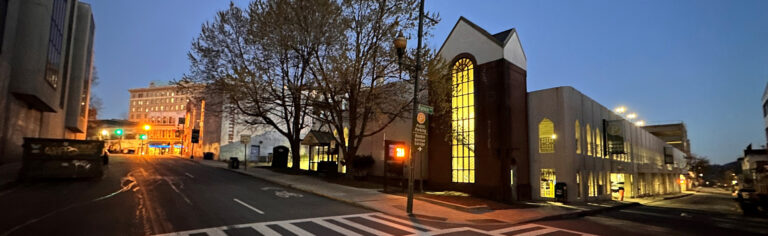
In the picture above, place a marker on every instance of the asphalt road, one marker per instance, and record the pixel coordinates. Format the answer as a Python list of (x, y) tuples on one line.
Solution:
[(141, 195), (698, 214), (152, 195)]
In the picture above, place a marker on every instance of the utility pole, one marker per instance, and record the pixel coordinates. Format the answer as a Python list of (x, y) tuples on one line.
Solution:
[(412, 162)]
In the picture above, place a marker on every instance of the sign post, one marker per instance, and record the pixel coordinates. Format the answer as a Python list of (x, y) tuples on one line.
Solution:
[(245, 139)]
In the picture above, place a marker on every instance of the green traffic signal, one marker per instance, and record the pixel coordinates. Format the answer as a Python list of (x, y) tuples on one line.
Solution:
[(143, 136), (119, 131)]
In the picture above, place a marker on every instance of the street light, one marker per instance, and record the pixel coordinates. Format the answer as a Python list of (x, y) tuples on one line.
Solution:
[(104, 132), (631, 116), (620, 109), (400, 44), (147, 127), (640, 123)]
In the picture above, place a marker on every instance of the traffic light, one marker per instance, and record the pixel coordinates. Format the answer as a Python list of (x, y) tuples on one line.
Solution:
[(400, 151), (143, 137), (119, 131), (195, 136)]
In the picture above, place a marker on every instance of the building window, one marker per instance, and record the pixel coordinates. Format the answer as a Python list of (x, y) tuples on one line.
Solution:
[(547, 136), (578, 184), (548, 183), (463, 122), (589, 140), (591, 185), (55, 42), (577, 132), (3, 14), (598, 143)]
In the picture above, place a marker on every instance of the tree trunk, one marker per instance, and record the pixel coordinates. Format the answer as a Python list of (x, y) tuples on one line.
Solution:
[(296, 155)]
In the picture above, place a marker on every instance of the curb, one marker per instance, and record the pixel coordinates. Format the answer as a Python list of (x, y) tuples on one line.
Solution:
[(468, 209), (581, 213)]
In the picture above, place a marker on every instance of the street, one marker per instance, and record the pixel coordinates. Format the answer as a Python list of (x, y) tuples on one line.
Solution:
[(141, 195), (152, 195), (703, 213)]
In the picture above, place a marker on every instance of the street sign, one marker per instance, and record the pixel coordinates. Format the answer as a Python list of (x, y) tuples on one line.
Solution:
[(245, 138), (426, 109), (420, 131)]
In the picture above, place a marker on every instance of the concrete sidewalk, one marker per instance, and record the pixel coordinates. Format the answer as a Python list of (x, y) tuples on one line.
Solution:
[(394, 205)]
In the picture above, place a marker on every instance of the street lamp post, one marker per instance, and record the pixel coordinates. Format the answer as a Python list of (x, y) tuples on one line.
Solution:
[(400, 44)]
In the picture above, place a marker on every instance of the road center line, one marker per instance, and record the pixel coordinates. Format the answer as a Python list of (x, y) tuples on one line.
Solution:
[(190, 176), (248, 206)]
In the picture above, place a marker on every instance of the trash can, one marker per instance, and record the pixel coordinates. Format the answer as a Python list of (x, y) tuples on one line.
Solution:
[(280, 157), (561, 192), (208, 156), (234, 163)]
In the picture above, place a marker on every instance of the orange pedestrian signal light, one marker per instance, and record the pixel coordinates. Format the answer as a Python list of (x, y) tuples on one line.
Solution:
[(400, 152)]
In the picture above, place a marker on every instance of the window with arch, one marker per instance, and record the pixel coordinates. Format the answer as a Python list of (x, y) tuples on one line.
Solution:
[(598, 143), (463, 122), (577, 132), (547, 136), (589, 140)]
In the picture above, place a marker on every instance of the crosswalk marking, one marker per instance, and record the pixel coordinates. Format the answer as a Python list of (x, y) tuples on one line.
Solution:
[(359, 226), (353, 225), (264, 230), (405, 222), (295, 229), (336, 228)]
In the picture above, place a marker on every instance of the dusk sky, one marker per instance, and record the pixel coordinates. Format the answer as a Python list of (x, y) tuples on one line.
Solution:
[(701, 62)]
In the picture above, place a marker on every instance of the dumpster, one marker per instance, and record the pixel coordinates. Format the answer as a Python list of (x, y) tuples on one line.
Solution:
[(62, 158), (280, 157), (207, 156), (561, 192), (234, 163)]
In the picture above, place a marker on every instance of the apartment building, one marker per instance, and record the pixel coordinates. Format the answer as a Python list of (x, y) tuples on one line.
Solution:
[(160, 110)]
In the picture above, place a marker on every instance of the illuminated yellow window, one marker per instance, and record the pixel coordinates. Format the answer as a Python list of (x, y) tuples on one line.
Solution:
[(547, 136), (548, 180), (589, 140), (577, 132), (598, 143), (463, 122)]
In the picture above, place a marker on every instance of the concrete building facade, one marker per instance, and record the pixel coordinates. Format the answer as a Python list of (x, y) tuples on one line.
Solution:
[(595, 152), (46, 59)]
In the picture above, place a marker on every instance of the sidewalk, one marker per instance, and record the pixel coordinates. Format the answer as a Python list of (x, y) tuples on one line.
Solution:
[(395, 205)]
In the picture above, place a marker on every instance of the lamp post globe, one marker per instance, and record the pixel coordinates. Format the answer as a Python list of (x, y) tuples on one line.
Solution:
[(400, 44)]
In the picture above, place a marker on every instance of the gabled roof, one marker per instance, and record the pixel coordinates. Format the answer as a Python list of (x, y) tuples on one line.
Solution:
[(315, 137), (500, 38)]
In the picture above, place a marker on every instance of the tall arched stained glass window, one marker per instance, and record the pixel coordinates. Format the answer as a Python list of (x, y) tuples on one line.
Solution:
[(463, 122)]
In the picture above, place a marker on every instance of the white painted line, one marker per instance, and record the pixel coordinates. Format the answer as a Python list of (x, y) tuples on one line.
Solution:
[(177, 191), (264, 230), (406, 222), (249, 206), (190, 176), (336, 228), (514, 228), (295, 229), (361, 227), (390, 224), (215, 232), (539, 232)]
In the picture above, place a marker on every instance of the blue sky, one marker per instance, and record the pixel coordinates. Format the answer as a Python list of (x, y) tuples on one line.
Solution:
[(698, 61)]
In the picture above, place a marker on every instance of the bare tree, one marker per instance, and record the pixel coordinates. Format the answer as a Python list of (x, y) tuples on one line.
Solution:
[(258, 59), (361, 89)]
